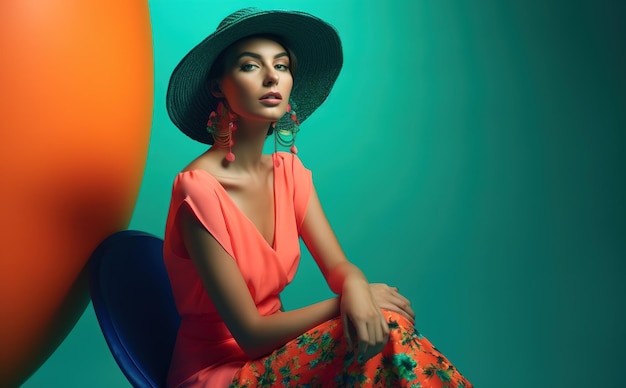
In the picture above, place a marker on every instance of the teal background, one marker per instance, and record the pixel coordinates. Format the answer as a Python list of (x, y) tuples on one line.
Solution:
[(471, 154)]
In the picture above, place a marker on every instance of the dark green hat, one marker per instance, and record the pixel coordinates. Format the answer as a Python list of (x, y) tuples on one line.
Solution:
[(314, 42)]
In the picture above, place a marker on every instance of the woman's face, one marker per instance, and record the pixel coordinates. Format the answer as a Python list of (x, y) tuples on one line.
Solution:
[(257, 80)]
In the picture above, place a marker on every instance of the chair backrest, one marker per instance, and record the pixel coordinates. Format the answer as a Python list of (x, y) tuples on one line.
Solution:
[(133, 301)]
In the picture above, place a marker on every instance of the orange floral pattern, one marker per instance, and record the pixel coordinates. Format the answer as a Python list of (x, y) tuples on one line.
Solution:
[(321, 358)]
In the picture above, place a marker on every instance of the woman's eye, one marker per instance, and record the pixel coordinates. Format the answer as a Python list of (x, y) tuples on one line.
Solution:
[(248, 67), (282, 67)]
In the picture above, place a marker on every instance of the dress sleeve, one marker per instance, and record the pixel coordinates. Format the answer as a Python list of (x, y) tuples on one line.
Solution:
[(303, 186), (198, 192)]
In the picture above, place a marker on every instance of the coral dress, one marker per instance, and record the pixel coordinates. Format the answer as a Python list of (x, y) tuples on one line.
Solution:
[(207, 355)]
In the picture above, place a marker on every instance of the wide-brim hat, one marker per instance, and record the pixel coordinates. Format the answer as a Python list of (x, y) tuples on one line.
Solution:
[(315, 44)]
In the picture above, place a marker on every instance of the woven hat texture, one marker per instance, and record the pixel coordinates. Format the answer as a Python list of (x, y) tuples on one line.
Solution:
[(314, 42)]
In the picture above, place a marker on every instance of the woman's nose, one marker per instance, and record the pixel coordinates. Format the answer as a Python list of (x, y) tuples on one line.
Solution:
[(271, 77)]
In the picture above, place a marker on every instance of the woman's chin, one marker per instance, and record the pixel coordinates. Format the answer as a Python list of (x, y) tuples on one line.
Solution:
[(270, 117)]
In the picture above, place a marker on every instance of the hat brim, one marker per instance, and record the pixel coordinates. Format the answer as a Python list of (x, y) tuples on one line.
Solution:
[(314, 42)]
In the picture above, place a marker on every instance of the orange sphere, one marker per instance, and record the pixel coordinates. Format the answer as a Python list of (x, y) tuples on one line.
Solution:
[(76, 93)]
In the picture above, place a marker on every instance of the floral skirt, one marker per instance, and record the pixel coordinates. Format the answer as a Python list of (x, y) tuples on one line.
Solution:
[(321, 358)]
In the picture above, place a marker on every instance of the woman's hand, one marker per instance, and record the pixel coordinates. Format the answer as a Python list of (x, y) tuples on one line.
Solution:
[(389, 298), (359, 309)]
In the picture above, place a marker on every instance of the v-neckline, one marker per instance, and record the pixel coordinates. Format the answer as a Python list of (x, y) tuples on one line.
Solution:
[(271, 246)]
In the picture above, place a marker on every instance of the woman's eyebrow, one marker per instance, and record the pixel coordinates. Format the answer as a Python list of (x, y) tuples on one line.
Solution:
[(257, 56)]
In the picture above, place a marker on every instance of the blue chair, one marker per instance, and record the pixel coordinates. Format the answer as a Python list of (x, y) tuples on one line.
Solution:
[(133, 301)]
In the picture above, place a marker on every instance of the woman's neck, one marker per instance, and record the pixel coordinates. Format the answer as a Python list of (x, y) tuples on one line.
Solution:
[(248, 142)]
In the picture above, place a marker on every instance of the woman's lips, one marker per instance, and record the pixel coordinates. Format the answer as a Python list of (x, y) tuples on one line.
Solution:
[(271, 95), (271, 99)]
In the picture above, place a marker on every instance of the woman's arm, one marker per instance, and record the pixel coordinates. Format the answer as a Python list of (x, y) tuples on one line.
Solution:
[(323, 245), (358, 305), (257, 335)]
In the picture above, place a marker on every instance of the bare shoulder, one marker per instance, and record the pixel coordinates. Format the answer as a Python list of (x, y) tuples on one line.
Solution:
[(211, 164), (231, 179)]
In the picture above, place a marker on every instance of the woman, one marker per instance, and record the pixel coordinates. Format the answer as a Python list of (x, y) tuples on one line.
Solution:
[(236, 216)]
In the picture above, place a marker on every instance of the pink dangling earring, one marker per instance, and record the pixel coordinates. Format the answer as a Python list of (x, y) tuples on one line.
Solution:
[(223, 134), (296, 128), (232, 127)]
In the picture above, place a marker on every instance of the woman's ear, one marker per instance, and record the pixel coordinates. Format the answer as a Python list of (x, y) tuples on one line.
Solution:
[(216, 91)]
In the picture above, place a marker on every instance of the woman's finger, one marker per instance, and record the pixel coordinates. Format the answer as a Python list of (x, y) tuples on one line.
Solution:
[(405, 312), (399, 295), (364, 336), (404, 304), (370, 345), (346, 329), (380, 329), (389, 298), (386, 330), (401, 305)]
